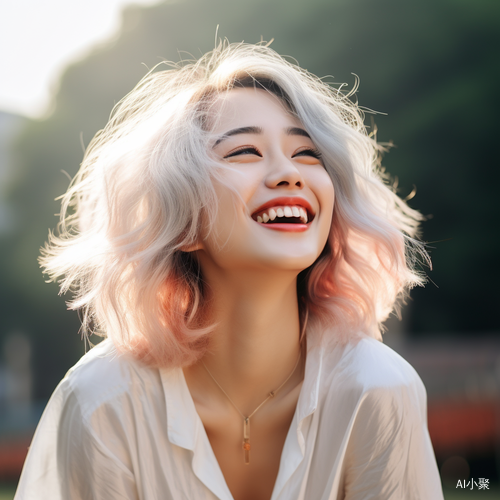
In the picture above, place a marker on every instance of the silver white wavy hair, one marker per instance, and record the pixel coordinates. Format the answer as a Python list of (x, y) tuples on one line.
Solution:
[(145, 187)]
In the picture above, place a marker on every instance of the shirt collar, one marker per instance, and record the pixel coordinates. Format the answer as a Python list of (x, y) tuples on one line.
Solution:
[(181, 411), (294, 448), (185, 428), (309, 393)]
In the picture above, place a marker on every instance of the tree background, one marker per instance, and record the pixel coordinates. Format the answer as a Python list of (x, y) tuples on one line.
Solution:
[(430, 66)]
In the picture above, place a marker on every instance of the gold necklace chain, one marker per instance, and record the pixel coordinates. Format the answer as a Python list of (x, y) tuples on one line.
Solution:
[(246, 420)]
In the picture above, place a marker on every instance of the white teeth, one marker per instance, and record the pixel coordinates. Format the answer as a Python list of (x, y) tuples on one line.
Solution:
[(303, 215), (284, 211)]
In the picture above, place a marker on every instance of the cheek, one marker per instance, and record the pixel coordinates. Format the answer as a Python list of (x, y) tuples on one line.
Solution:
[(326, 197), (235, 188), (325, 191), (228, 214)]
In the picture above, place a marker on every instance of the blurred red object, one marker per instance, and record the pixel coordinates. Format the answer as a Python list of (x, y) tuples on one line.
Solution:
[(12, 455), (462, 426)]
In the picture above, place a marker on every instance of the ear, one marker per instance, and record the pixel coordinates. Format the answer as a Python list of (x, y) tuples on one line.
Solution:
[(192, 248)]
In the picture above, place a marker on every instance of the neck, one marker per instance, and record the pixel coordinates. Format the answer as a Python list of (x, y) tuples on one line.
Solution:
[(255, 344)]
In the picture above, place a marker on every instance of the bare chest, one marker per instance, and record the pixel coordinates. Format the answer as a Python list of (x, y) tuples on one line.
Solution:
[(268, 431)]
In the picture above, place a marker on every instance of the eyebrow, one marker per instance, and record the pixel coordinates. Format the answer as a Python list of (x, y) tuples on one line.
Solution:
[(259, 131)]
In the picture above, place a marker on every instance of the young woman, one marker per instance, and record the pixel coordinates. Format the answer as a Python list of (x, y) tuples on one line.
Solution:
[(231, 233)]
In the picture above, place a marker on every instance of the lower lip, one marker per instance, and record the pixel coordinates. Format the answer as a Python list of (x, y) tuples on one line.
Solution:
[(292, 228)]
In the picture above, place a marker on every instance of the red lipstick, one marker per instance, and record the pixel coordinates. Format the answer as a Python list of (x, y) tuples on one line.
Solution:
[(284, 201), (290, 201)]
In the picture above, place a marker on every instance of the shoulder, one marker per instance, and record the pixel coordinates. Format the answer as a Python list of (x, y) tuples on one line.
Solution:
[(369, 363), (369, 373), (104, 378), (375, 364), (87, 430), (378, 402)]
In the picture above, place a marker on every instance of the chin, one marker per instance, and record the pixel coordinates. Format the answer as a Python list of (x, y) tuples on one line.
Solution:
[(290, 262)]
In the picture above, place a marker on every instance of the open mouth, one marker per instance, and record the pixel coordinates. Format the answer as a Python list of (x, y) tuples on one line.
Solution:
[(284, 214)]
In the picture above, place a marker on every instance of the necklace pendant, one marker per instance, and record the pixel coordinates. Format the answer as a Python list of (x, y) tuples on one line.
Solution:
[(246, 448), (246, 439), (246, 420)]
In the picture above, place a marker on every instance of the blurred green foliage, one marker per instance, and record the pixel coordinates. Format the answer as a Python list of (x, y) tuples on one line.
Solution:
[(431, 66)]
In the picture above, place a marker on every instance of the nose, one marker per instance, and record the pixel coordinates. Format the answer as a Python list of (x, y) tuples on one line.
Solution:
[(284, 174)]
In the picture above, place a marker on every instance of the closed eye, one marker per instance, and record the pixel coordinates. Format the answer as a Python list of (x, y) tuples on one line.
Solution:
[(309, 152), (250, 150), (244, 151)]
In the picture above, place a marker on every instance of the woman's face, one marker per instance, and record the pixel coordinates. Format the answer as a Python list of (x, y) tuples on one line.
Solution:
[(282, 217)]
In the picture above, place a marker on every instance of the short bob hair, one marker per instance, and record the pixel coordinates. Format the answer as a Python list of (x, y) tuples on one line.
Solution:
[(146, 186)]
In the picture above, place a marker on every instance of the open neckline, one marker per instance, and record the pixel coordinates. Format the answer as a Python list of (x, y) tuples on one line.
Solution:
[(193, 436)]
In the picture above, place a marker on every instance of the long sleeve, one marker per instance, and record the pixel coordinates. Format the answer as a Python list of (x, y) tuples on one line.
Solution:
[(389, 455), (68, 460)]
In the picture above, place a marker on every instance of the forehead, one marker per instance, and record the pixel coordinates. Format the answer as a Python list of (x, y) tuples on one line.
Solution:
[(242, 107)]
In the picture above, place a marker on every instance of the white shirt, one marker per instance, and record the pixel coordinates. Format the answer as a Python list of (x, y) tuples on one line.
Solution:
[(114, 429)]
